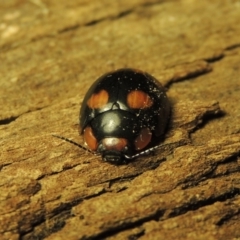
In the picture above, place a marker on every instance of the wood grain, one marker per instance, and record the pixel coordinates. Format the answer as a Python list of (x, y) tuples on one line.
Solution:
[(51, 52)]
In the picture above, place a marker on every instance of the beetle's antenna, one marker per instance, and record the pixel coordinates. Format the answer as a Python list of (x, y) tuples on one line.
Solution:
[(145, 152), (74, 143)]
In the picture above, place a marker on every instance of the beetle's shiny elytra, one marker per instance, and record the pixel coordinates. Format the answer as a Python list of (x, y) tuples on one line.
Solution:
[(124, 114)]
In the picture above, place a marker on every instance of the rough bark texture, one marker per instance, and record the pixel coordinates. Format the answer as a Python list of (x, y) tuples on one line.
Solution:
[(51, 51)]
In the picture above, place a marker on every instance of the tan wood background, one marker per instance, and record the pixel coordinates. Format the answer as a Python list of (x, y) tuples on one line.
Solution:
[(50, 53)]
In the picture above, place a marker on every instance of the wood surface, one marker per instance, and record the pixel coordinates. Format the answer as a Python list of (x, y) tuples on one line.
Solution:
[(51, 52)]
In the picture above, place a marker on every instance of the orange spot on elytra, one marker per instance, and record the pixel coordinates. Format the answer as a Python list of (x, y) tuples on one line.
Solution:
[(98, 100), (90, 139), (143, 139), (138, 99)]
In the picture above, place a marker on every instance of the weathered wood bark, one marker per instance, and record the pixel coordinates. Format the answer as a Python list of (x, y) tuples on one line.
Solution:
[(51, 52)]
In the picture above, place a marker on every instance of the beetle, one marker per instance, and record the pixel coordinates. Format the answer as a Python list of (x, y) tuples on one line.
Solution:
[(124, 114)]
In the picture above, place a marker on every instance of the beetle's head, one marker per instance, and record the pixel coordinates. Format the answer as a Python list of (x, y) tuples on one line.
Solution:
[(114, 149)]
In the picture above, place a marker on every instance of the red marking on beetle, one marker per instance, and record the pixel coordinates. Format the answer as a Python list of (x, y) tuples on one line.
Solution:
[(90, 139), (117, 144), (143, 139), (138, 99), (98, 100)]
